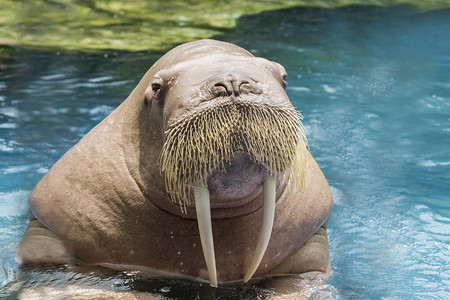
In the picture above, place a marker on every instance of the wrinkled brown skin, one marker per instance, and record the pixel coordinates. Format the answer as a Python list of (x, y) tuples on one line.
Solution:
[(104, 202)]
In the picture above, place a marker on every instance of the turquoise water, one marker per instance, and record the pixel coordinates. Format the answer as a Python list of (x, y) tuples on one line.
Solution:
[(374, 88)]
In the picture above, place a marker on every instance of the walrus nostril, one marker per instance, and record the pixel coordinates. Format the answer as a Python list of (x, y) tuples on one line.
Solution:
[(221, 89), (248, 87)]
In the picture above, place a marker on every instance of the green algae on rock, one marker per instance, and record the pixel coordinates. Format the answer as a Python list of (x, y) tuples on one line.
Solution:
[(88, 25)]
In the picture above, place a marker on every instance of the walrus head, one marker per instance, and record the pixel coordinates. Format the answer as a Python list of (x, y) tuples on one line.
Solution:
[(230, 134)]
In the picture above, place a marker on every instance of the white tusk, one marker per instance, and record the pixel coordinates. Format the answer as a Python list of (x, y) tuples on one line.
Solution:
[(202, 206), (266, 229)]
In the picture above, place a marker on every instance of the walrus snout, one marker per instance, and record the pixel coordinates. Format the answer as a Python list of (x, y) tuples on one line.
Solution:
[(238, 184), (234, 84)]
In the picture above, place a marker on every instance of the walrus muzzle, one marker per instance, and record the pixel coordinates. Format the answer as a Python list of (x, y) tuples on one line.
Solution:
[(205, 140)]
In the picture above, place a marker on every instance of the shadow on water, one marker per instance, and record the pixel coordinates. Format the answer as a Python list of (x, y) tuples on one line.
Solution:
[(356, 72), (86, 283)]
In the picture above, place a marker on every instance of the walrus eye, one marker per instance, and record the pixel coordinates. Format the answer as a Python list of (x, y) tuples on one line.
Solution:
[(283, 81), (156, 89)]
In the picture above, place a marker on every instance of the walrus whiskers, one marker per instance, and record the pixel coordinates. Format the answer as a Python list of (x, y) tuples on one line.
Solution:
[(201, 143)]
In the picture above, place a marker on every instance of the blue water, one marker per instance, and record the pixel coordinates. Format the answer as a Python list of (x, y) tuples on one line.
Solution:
[(374, 88)]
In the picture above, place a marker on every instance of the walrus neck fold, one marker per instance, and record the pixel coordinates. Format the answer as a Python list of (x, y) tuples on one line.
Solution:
[(202, 205)]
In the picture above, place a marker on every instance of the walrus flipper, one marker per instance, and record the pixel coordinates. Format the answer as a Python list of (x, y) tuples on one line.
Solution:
[(41, 246), (309, 266), (313, 255)]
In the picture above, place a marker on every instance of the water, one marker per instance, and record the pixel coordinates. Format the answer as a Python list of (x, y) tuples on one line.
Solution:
[(373, 85)]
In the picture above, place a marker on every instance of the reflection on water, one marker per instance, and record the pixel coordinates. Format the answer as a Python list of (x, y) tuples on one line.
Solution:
[(97, 282), (373, 87)]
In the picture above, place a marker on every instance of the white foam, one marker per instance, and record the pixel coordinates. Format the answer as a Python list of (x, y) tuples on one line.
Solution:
[(102, 109), (299, 89), (10, 112), (52, 77), (329, 89), (337, 195), (8, 125), (99, 79), (6, 147), (42, 170), (16, 169), (14, 203), (431, 163)]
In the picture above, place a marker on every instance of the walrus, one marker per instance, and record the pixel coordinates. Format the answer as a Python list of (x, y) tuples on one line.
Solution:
[(203, 172)]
